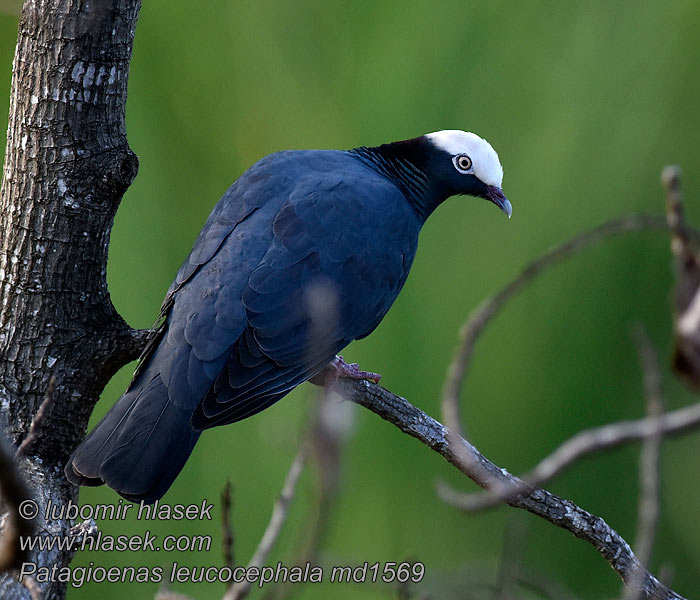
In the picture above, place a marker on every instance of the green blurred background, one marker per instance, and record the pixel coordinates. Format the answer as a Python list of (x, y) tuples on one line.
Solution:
[(585, 103)]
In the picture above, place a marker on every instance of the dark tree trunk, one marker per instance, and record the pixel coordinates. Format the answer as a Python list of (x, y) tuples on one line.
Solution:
[(67, 166)]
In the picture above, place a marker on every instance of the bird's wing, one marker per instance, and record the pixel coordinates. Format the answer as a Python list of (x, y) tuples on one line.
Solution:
[(239, 328), (339, 254), (251, 192)]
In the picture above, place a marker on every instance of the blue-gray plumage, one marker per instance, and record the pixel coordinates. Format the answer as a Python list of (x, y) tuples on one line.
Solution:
[(237, 329)]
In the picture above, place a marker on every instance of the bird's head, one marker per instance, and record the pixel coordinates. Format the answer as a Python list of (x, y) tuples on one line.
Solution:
[(465, 163), (430, 168)]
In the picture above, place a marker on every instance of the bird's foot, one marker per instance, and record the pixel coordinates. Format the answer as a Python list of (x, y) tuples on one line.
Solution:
[(339, 368), (352, 370)]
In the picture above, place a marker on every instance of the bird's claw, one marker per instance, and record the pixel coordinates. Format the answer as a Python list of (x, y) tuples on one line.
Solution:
[(352, 370), (339, 368)]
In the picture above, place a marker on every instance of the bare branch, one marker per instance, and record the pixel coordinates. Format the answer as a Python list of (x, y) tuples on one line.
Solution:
[(135, 341), (544, 587), (649, 476), (649, 463), (227, 526), (686, 293), (326, 437), (583, 443), (14, 492), (83, 530), (38, 419), (279, 516), (675, 214), (480, 317), (509, 569), (30, 584), (558, 511), (166, 594)]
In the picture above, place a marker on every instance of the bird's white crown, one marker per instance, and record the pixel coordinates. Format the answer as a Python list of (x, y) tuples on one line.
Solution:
[(485, 161)]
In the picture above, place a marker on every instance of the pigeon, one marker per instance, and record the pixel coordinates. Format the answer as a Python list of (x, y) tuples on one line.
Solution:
[(303, 254)]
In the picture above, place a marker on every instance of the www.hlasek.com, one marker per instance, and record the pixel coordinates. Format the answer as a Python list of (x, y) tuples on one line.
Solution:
[(146, 542), (387, 572)]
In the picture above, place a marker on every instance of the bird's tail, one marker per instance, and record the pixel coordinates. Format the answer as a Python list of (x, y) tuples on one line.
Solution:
[(139, 447)]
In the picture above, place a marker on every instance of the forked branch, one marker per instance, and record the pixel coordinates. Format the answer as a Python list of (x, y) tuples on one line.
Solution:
[(524, 493), (458, 451)]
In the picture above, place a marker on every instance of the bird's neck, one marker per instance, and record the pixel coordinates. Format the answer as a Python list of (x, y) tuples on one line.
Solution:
[(403, 164)]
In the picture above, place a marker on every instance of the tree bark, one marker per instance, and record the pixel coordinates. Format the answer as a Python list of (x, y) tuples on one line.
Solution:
[(67, 166)]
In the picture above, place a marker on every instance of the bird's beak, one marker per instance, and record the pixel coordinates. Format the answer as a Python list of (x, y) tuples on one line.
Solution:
[(495, 194)]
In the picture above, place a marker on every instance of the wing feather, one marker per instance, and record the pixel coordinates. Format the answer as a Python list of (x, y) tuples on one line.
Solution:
[(346, 255)]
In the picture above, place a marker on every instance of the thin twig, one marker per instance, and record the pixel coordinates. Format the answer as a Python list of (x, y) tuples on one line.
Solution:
[(38, 420), (32, 587), (14, 491), (649, 463), (227, 526), (479, 318), (582, 444), (509, 567), (167, 594), (544, 588), (585, 442), (686, 291), (327, 437), (558, 511), (675, 217), (83, 530), (274, 527), (684, 250)]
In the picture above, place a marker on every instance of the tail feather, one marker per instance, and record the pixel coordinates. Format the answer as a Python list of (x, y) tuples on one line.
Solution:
[(139, 447)]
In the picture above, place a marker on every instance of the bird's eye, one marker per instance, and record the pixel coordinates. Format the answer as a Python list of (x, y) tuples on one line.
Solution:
[(462, 162)]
